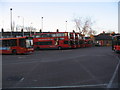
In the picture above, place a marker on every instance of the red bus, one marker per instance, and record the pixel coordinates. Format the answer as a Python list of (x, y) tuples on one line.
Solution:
[(88, 43), (52, 40), (72, 40), (17, 45), (116, 43), (77, 40), (82, 43)]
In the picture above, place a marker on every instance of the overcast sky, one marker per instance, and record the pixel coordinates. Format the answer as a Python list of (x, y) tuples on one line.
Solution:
[(103, 14)]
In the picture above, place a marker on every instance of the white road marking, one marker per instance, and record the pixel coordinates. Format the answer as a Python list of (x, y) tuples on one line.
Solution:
[(75, 86), (21, 80), (114, 74), (89, 72)]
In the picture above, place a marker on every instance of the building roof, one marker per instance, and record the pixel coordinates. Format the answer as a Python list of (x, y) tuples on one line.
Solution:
[(103, 37)]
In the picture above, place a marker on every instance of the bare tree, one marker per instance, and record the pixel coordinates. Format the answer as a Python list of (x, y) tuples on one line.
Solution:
[(91, 32), (78, 24), (84, 27)]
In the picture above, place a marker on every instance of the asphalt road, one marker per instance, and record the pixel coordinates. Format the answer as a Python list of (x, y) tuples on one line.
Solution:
[(83, 67)]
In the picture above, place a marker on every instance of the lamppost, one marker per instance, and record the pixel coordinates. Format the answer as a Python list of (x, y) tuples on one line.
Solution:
[(22, 25), (11, 20), (66, 25), (41, 23)]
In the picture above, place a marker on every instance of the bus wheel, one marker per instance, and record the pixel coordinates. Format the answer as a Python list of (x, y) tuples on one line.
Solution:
[(14, 52), (59, 48)]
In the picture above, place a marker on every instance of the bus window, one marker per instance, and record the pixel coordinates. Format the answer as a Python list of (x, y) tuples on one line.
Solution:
[(49, 35), (46, 35), (6, 43), (13, 42), (53, 35), (22, 42), (29, 43), (44, 43), (66, 34), (37, 36), (60, 34)]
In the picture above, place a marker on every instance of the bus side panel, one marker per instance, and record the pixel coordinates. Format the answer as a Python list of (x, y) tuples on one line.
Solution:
[(5, 51), (18, 49), (37, 43), (63, 44), (117, 48)]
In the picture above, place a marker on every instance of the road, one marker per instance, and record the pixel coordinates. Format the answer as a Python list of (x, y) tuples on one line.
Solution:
[(83, 67)]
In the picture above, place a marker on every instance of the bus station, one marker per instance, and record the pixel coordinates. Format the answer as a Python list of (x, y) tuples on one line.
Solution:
[(59, 45)]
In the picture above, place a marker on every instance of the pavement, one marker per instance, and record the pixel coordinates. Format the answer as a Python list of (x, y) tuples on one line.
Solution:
[(92, 67)]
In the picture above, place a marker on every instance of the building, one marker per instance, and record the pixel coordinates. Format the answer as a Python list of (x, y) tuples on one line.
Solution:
[(103, 39)]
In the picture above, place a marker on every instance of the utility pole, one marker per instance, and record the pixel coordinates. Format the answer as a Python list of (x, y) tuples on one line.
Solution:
[(66, 26), (42, 23), (11, 20)]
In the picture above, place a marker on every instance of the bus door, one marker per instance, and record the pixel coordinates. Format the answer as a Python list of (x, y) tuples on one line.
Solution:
[(59, 41), (56, 41)]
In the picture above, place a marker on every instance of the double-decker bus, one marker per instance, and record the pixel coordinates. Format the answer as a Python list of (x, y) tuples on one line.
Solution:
[(88, 43), (16, 45), (77, 40), (82, 43), (116, 43), (72, 40), (52, 40)]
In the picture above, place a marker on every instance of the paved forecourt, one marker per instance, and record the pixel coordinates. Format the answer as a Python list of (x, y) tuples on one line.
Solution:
[(83, 67)]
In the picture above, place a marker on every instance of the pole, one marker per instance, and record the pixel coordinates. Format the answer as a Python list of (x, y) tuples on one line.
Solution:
[(11, 20), (66, 25), (41, 23)]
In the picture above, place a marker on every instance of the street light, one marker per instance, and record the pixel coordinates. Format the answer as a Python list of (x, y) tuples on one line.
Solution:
[(41, 23), (66, 25), (11, 20)]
